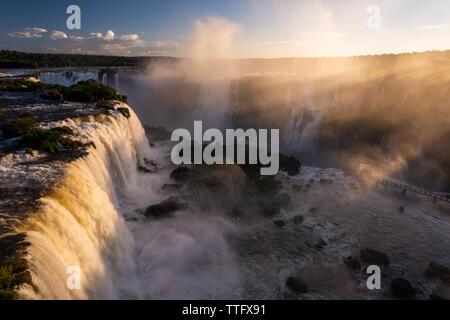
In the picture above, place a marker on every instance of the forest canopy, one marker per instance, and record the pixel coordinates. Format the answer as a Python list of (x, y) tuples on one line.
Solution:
[(16, 59)]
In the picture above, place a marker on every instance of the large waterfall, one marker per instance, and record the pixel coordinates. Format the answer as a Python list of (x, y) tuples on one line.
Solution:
[(302, 130), (214, 103), (79, 223)]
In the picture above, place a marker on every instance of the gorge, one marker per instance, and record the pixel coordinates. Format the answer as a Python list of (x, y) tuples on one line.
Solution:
[(224, 232)]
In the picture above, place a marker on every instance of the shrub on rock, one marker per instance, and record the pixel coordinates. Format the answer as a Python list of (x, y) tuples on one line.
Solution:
[(50, 140), (279, 223), (125, 112), (374, 257), (164, 208), (13, 273), (52, 94), (297, 285), (157, 133), (91, 91), (181, 174), (298, 219), (268, 184), (17, 127), (352, 263), (289, 164), (402, 288), (441, 272)]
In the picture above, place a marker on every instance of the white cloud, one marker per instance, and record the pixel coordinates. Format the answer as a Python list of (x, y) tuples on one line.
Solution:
[(97, 35), (324, 34), (433, 27), (129, 37), (109, 35), (165, 44), (96, 43), (57, 35), (28, 33)]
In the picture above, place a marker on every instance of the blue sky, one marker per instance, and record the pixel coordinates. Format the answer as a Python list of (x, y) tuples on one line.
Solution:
[(233, 28)]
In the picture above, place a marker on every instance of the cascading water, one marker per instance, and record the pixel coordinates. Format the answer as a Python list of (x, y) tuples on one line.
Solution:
[(79, 223), (67, 78), (104, 79), (302, 132), (214, 103)]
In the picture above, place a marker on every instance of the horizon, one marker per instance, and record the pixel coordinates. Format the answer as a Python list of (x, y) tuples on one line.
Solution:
[(231, 29), (249, 58)]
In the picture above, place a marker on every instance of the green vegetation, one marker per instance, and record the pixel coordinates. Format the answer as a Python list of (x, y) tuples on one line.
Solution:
[(105, 105), (29, 151), (50, 140), (17, 127), (21, 85), (125, 112), (13, 273), (52, 94), (27, 114), (16, 59), (91, 91)]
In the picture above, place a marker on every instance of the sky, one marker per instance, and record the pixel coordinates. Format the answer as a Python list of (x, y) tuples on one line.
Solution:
[(227, 28)]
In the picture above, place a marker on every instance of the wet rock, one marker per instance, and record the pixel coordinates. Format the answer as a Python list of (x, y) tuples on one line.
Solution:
[(298, 219), (271, 210), (297, 188), (157, 134), (279, 223), (282, 200), (171, 187), (401, 209), (326, 181), (144, 169), (236, 213), (290, 165), (312, 210), (402, 288), (441, 272), (435, 296), (268, 184), (320, 244), (352, 263), (180, 174), (374, 257), (165, 208), (297, 285)]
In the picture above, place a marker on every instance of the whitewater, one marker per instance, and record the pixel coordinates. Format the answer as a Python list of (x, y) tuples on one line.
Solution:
[(80, 224)]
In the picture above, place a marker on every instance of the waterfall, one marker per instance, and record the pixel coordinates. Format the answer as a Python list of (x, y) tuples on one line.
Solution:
[(66, 78), (116, 81), (79, 222), (302, 131), (214, 104), (104, 79)]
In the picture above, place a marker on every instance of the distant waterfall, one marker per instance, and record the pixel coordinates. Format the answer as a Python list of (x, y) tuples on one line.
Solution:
[(302, 132), (214, 104), (67, 78), (79, 223)]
